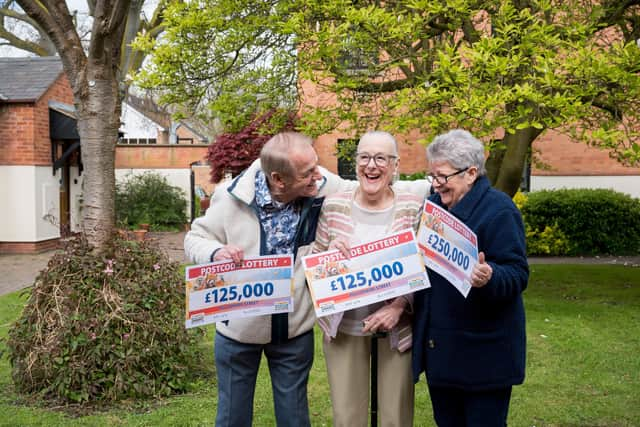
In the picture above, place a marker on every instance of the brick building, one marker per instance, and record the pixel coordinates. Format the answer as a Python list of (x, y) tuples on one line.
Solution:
[(31, 92), (569, 164), (561, 162), (151, 141), (41, 163)]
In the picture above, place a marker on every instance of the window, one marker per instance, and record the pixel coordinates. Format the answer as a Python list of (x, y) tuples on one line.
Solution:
[(346, 151), (356, 58), (358, 61), (137, 141)]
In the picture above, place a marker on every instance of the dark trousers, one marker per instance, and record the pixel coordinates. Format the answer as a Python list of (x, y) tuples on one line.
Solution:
[(460, 408), (237, 367)]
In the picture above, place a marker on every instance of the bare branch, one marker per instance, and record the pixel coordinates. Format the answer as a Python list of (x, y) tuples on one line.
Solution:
[(10, 13), (119, 10), (108, 22), (26, 45)]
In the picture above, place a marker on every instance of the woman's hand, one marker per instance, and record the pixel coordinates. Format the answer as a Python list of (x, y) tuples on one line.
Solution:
[(342, 245), (386, 317), (481, 273)]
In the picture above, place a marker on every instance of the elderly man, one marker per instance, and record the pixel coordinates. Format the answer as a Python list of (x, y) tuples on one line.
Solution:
[(271, 208)]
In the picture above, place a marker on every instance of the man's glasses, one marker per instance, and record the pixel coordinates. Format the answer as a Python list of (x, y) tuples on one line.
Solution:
[(380, 160), (443, 179)]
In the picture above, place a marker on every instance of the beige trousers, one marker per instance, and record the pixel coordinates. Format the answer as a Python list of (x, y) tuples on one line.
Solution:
[(348, 367)]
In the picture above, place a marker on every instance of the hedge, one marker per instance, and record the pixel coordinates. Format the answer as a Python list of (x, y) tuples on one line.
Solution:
[(593, 221)]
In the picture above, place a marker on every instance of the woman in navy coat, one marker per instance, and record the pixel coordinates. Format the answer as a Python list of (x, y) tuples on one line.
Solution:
[(472, 349)]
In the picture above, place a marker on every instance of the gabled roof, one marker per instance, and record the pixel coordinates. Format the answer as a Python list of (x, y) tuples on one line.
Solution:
[(191, 126), (27, 79)]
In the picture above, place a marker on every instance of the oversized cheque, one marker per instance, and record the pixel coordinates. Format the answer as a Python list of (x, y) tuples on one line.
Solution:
[(223, 290), (377, 270), (450, 248)]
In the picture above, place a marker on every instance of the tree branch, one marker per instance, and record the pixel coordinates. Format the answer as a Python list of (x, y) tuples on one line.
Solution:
[(386, 86), (39, 13), (22, 44), (611, 109), (119, 10), (615, 10), (54, 19), (471, 35), (108, 22), (9, 13)]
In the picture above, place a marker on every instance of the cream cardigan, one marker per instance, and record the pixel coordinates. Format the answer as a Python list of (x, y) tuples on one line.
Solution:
[(336, 221)]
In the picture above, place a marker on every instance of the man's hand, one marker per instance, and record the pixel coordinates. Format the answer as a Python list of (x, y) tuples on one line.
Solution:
[(234, 253)]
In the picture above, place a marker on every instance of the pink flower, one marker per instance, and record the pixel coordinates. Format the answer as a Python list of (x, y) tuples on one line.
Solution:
[(109, 269), (156, 267), (125, 337)]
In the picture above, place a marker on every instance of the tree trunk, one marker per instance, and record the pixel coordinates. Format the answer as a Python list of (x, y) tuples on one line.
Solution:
[(515, 155), (494, 161), (99, 109)]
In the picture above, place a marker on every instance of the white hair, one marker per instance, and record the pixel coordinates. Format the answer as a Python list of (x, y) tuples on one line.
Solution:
[(459, 148)]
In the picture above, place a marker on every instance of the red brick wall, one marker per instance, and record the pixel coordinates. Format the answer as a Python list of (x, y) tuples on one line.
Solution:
[(158, 156), (25, 127), (564, 157), (185, 132), (29, 247), (558, 152), (167, 157), (16, 128), (202, 177), (412, 154)]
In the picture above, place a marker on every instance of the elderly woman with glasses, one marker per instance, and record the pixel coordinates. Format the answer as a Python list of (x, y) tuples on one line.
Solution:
[(473, 349), (373, 210)]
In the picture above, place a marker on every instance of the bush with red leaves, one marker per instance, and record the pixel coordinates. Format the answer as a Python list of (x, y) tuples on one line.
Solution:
[(234, 152)]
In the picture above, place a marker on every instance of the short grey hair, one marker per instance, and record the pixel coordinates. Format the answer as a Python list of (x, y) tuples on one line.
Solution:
[(379, 134), (459, 148), (275, 154)]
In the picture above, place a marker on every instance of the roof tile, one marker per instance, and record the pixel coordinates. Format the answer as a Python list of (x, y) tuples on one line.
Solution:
[(26, 79)]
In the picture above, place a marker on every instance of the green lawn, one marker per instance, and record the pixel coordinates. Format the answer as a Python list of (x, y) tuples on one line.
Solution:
[(583, 366)]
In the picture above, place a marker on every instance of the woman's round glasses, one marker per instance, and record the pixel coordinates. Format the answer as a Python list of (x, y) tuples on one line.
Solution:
[(380, 160)]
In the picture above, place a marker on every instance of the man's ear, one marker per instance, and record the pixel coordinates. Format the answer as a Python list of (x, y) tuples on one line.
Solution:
[(277, 180)]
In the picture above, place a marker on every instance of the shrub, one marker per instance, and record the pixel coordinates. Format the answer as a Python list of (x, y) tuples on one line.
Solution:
[(102, 328), (520, 199), (413, 177), (148, 198), (594, 221), (550, 241)]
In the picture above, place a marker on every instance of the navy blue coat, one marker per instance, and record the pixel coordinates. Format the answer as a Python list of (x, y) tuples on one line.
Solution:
[(477, 343)]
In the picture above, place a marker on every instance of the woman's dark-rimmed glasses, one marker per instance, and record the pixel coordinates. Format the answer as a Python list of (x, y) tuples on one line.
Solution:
[(443, 179), (380, 159)]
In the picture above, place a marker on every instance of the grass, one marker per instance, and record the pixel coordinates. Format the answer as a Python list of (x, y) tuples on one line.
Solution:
[(583, 365)]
